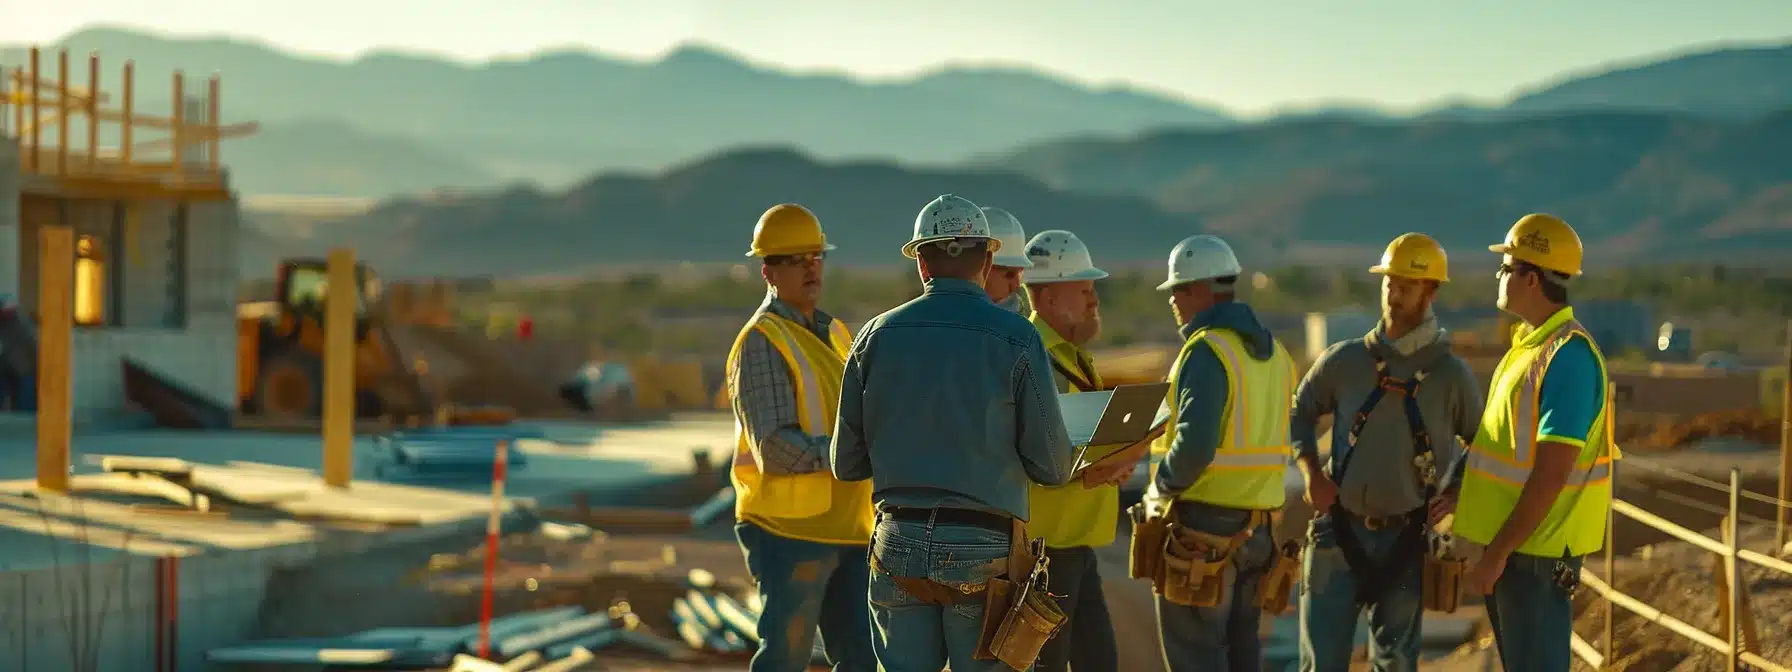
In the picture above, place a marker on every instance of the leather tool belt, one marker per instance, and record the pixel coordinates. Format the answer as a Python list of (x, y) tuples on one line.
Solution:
[(1019, 614)]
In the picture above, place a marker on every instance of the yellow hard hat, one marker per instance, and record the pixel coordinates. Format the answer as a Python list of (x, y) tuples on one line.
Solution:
[(1416, 256), (1544, 241), (788, 228)]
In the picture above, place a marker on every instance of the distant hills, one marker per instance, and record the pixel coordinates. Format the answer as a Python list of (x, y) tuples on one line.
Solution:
[(1640, 187), (392, 123), (1646, 185), (559, 116)]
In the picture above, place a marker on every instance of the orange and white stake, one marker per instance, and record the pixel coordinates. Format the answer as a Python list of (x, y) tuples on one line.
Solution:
[(492, 526)]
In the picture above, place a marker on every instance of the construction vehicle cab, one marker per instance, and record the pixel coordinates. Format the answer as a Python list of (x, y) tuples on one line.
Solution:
[(280, 349)]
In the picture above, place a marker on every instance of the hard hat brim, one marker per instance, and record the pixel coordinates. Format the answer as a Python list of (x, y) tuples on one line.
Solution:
[(1085, 274), (1521, 255), (806, 249), (1383, 270), (913, 248), (1013, 261)]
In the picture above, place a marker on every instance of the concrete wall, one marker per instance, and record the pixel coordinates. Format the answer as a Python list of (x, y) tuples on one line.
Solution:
[(171, 303), (199, 354), (9, 214)]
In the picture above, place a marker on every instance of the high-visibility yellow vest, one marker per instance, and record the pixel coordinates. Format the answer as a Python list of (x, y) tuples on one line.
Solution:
[(814, 506), (1249, 469), (1504, 450), (1070, 515)]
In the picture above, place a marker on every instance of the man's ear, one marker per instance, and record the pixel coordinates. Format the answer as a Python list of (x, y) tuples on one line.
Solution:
[(765, 272)]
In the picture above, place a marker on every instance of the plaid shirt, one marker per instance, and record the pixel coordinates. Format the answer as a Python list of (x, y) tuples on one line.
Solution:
[(764, 392)]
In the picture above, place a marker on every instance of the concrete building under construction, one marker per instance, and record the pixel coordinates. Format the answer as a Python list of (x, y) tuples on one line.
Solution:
[(151, 221)]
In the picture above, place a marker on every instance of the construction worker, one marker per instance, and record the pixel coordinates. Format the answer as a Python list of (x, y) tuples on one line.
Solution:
[(947, 406), (1076, 518), (1011, 263), (803, 532), (1225, 454), (1537, 486), (1369, 536)]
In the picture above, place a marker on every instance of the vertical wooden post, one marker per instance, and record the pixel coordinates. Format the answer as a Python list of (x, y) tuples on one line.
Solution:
[(128, 93), (93, 110), (212, 120), (1611, 570), (63, 107), (18, 111), (56, 311), (180, 124), (1733, 568), (339, 368), (37, 111), (1783, 515)]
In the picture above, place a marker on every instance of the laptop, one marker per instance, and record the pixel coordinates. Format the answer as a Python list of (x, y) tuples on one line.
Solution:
[(1119, 416)]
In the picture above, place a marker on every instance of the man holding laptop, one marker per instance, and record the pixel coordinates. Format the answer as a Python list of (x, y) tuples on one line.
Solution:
[(1078, 517)]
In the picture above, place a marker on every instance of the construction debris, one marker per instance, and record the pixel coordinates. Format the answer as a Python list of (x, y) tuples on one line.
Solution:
[(1749, 424)]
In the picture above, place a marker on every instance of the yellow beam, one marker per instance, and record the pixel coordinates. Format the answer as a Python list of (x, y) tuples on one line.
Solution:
[(339, 368), (126, 189), (22, 80), (56, 315)]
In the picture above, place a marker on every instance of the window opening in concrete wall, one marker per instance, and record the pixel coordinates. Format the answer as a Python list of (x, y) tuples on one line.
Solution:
[(176, 315), (90, 283)]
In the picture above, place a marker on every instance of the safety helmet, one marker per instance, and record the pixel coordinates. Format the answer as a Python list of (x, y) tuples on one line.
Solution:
[(1201, 257), (788, 228), (1544, 241), (1059, 256), (1006, 228), (949, 218), (1416, 256)]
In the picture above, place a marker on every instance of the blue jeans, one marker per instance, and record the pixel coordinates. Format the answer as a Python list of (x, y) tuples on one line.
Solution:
[(1087, 640), (806, 584), (1328, 608), (1532, 615), (1223, 636), (915, 635)]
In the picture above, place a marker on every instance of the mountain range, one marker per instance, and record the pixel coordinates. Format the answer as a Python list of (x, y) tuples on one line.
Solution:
[(391, 123), (1639, 186)]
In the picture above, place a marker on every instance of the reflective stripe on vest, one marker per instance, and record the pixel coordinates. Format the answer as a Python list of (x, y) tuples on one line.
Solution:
[(1501, 457), (1514, 468), (1248, 469), (810, 506), (811, 409)]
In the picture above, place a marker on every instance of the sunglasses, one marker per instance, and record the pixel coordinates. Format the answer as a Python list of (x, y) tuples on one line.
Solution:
[(1513, 269), (789, 259)]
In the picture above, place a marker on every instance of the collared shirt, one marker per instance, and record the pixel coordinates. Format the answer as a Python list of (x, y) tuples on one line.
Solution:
[(767, 398), (1055, 344), (947, 401)]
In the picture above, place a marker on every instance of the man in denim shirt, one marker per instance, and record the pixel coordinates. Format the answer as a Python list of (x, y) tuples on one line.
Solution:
[(1226, 452), (947, 406)]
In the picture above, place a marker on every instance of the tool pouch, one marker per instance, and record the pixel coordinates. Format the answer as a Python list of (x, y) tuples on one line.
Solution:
[(1443, 582), (1194, 565), (1148, 536), (1276, 593), (1019, 617), (1032, 620)]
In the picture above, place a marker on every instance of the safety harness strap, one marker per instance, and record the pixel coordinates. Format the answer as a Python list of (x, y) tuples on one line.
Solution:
[(1372, 580)]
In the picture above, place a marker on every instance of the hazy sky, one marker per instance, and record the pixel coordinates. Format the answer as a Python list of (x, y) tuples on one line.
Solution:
[(1392, 52)]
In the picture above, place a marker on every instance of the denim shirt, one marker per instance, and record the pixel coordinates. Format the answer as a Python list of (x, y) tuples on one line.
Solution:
[(948, 401)]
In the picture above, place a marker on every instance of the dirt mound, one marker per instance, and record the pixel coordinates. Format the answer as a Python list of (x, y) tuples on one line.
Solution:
[(489, 376), (1750, 424)]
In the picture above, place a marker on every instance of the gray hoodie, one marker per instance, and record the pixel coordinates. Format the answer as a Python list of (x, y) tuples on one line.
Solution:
[(1381, 479)]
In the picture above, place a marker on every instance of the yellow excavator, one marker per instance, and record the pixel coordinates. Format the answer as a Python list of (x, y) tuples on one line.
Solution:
[(280, 347)]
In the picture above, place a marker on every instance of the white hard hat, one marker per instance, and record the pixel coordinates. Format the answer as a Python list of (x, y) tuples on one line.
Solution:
[(1200, 257), (949, 218), (1006, 228), (1059, 256)]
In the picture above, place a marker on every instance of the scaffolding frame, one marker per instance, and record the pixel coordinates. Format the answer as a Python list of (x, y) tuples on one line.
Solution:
[(184, 164)]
